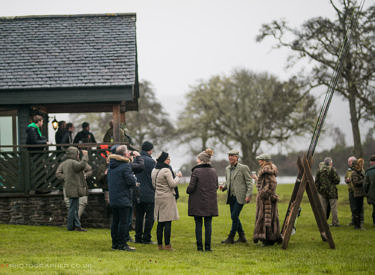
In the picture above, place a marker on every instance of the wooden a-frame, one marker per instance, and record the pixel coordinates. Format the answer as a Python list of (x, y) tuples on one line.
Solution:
[(305, 181)]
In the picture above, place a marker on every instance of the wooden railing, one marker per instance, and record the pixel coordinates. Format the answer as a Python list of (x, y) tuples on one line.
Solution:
[(25, 171)]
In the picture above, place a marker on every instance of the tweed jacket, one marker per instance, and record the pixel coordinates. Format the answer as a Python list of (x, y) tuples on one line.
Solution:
[(241, 182)]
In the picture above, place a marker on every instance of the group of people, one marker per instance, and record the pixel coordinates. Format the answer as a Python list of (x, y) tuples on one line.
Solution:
[(155, 184), (360, 184), (64, 134)]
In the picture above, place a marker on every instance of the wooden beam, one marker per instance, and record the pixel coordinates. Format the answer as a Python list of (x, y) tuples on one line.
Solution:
[(116, 122), (317, 208), (293, 212), (307, 183)]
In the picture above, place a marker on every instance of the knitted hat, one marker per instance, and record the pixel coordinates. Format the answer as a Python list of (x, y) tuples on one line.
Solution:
[(162, 157), (206, 155), (147, 146)]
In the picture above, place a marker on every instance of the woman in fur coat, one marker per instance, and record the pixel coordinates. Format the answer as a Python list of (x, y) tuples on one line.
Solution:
[(267, 228)]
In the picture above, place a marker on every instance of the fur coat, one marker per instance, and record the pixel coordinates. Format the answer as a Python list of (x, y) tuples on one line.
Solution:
[(267, 226)]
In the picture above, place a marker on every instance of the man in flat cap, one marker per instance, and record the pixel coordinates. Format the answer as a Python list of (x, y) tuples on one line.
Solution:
[(239, 186)]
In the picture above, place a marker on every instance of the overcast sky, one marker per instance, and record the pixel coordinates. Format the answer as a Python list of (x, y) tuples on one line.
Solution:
[(182, 41)]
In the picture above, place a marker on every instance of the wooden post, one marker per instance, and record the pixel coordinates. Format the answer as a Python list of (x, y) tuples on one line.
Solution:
[(116, 122), (122, 113)]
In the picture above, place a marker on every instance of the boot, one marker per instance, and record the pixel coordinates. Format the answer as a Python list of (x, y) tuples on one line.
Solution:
[(357, 222), (160, 247), (230, 239), (199, 246), (168, 247), (207, 247), (241, 238)]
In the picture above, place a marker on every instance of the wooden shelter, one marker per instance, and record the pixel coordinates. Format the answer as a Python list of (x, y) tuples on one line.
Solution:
[(60, 64), (66, 64)]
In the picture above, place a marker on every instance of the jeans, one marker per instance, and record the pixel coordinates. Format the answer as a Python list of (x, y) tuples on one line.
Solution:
[(144, 211), (73, 220), (235, 210), (120, 226), (81, 204), (207, 231), (167, 228)]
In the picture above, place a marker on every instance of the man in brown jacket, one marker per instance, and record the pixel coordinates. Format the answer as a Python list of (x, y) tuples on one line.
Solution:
[(71, 171)]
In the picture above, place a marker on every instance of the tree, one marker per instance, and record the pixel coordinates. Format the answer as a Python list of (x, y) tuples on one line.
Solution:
[(150, 122), (246, 109), (320, 39)]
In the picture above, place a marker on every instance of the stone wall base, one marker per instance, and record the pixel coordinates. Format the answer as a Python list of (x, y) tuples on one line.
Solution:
[(50, 209)]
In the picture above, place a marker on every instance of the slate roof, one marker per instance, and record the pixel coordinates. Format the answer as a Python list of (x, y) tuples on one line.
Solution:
[(68, 51)]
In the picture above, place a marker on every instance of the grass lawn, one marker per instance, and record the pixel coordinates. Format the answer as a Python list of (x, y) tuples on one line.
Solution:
[(54, 250)]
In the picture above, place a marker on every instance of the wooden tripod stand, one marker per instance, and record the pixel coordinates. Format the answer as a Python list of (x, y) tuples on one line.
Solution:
[(305, 181)]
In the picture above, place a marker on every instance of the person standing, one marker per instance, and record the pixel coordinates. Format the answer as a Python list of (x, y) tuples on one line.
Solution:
[(357, 179), (267, 227), (34, 134), (144, 207), (108, 137), (68, 135), (369, 186), (326, 180), (82, 201), (84, 136), (71, 171), (202, 192), (164, 182), (239, 186), (120, 180), (60, 133), (348, 176)]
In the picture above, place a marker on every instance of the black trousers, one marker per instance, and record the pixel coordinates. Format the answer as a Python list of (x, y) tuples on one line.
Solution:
[(119, 227), (357, 210), (207, 231), (353, 208), (165, 227), (144, 211)]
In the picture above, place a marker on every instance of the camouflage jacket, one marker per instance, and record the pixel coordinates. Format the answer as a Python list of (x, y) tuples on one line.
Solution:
[(326, 180), (358, 178), (348, 179)]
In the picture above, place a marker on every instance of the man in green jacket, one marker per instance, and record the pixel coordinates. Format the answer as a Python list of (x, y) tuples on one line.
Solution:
[(239, 186), (369, 186), (326, 180), (71, 170)]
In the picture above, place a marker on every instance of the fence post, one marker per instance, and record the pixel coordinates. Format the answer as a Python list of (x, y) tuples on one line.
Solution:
[(25, 156)]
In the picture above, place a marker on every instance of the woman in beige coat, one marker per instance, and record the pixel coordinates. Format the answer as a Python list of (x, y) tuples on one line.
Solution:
[(164, 182)]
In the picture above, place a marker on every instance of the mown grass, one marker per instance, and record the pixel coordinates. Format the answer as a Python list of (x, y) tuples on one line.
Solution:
[(53, 250)]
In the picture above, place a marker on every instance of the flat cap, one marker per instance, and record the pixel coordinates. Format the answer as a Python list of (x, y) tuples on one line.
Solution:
[(234, 153), (264, 157)]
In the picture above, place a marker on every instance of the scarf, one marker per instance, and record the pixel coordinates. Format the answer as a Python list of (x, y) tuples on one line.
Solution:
[(160, 165), (35, 126)]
